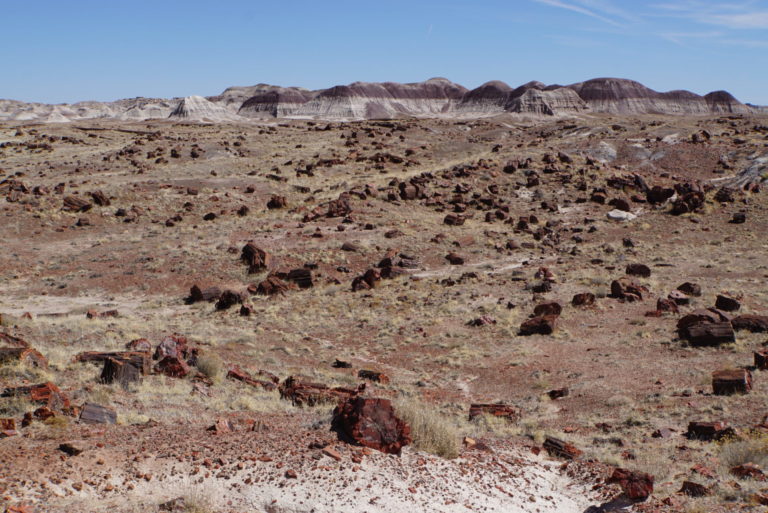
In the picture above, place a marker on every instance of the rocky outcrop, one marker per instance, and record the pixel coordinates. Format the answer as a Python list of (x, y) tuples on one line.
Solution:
[(197, 108), (490, 98), (384, 100), (436, 97), (622, 96), (274, 101), (548, 103), (723, 102)]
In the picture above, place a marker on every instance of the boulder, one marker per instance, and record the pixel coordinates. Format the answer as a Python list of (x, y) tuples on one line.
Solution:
[(172, 366), (138, 359), (703, 315), (748, 471), (276, 202), (620, 215), (93, 413), (75, 204), (731, 381), (658, 195), (753, 323), (256, 258), (139, 345), (540, 325), (378, 377), (46, 394), (708, 333), (761, 359), (339, 207), (688, 202), (301, 277), (678, 297), (228, 299), (303, 392), (692, 489), (272, 286), (500, 410), (207, 294), (727, 304), (637, 486), (698, 430), (627, 290), (545, 309), (454, 220), (691, 289), (561, 449), (371, 422), (238, 374), (121, 371), (26, 356), (558, 393), (175, 346), (100, 198), (666, 305), (454, 259), (583, 299), (638, 270)]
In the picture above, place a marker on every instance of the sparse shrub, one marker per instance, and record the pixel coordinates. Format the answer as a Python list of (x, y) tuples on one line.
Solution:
[(753, 449), (211, 365), (129, 418), (197, 502), (56, 422), (15, 406), (431, 431)]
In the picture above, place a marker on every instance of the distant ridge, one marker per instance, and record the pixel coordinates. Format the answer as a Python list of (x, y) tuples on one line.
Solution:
[(436, 97)]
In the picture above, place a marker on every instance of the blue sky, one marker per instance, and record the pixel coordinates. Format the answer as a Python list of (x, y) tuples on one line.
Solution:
[(64, 51)]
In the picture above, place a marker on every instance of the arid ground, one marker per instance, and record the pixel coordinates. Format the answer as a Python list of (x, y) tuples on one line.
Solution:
[(413, 249)]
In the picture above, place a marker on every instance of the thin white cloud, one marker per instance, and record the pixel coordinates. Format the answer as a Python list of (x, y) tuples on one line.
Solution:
[(748, 20), (736, 15), (578, 9), (746, 42)]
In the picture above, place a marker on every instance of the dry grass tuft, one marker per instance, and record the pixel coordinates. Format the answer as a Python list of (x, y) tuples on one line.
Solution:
[(735, 452), (211, 365), (431, 430)]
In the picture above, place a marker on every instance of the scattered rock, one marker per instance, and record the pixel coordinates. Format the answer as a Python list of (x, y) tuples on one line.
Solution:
[(753, 323), (560, 448), (546, 309), (500, 410), (727, 304), (228, 299), (93, 413), (207, 294), (637, 486), (302, 392), (708, 430), (378, 377), (371, 422), (691, 289), (692, 489), (272, 286), (542, 325), (583, 299), (238, 374), (454, 259), (172, 366), (276, 202), (71, 448), (638, 270), (731, 381), (558, 393), (620, 215), (256, 258)]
